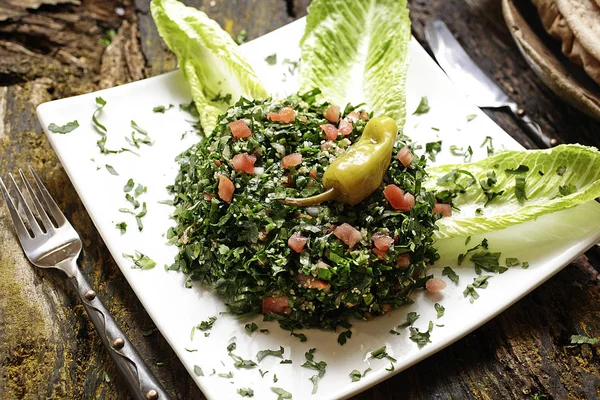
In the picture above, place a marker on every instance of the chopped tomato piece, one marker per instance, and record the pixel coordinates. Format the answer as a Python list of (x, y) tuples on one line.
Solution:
[(243, 163), (385, 308), (217, 162), (286, 115), (435, 285), (332, 114), (398, 199), (382, 242), (239, 129), (345, 127), (276, 305), (405, 156), (303, 118), (207, 197), (226, 189), (322, 265), (291, 160), (379, 253), (403, 261), (309, 282), (444, 209), (347, 234), (353, 117), (331, 132), (327, 145), (364, 115), (313, 173), (297, 242)]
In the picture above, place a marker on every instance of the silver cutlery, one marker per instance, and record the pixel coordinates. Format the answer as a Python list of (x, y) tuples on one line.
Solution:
[(474, 82), (49, 241)]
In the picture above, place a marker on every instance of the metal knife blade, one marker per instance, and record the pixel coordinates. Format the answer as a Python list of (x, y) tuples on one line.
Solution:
[(461, 69), (475, 84)]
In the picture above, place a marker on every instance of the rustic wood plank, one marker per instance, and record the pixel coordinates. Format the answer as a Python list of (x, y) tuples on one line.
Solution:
[(48, 348)]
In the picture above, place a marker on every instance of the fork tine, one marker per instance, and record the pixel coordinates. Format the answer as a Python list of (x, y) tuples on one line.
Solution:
[(55, 211), (33, 224), (22, 232), (38, 206)]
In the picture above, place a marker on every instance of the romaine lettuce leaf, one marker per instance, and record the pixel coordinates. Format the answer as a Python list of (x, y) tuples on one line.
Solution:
[(209, 59), (357, 51), (556, 179)]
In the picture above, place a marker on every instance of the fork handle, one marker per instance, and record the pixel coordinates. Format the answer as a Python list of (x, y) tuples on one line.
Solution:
[(141, 382)]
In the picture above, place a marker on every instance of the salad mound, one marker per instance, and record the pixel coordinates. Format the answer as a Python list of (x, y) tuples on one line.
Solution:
[(306, 267)]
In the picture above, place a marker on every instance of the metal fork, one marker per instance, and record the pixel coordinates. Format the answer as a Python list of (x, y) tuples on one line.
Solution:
[(53, 243)]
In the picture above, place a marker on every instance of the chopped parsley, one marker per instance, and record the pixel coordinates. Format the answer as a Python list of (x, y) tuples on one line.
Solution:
[(471, 117), (262, 373), (239, 362), (449, 272), (190, 108), (275, 353), (140, 260), (488, 261), (343, 336), (319, 366), (421, 338), (440, 309), (520, 189), (228, 375), (355, 375), (423, 107), (198, 371), (128, 186), (245, 392), (282, 394), (162, 109), (112, 170), (490, 145), (382, 353), (561, 170), (411, 318), (567, 189), (251, 327), (206, 325), (62, 129), (101, 103), (433, 148), (122, 226), (479, 282), (241, 37), (271, 59), (580, 339), (512, 262), (300, 336)]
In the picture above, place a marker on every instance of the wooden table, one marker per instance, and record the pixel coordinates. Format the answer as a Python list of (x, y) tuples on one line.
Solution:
[(48, 348)]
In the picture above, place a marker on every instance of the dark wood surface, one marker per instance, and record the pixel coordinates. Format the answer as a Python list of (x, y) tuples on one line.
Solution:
[(48, 348)]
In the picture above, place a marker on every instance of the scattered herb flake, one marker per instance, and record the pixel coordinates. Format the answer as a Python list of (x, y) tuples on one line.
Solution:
[(525, 264), (471, 117), (271, 59), (190, 108), (580, 339), (440, 309), (122, 226), (162, 109), (111, 169), (433, 148), (521, 169), (239, 362), (130, 184), (228, 375), (512, 262), (421, 338), (101, 103), (206, 325), (262, 374), (245, 392), (391, 367), (300, 336), (140, 260), (382, 353), (343, 336), (561, 170), (251, 327), (423, 107), (275, 353), (66, 128), (567, 189), (282, 394), (449, 272), (241, 37), (411, 317)]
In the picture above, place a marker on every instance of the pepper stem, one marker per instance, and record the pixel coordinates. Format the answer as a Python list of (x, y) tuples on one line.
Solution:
[(327, 195)]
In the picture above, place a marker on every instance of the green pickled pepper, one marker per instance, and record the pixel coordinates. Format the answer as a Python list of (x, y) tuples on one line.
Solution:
[(356, 174)]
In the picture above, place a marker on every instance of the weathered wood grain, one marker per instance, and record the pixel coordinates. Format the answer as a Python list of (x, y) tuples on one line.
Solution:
[(48, 348)]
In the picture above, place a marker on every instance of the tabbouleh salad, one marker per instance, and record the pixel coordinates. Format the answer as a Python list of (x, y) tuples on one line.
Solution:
[(306, 267)]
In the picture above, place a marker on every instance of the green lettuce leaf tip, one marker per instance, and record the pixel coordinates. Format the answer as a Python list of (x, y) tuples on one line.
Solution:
[(556, 179), (357, 51), (209, 59)]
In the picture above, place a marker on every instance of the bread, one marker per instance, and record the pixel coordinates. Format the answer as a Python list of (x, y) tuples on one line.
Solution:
[(577, 24)]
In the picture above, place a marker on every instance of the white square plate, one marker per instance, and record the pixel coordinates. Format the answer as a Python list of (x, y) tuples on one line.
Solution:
[(548, 243)]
